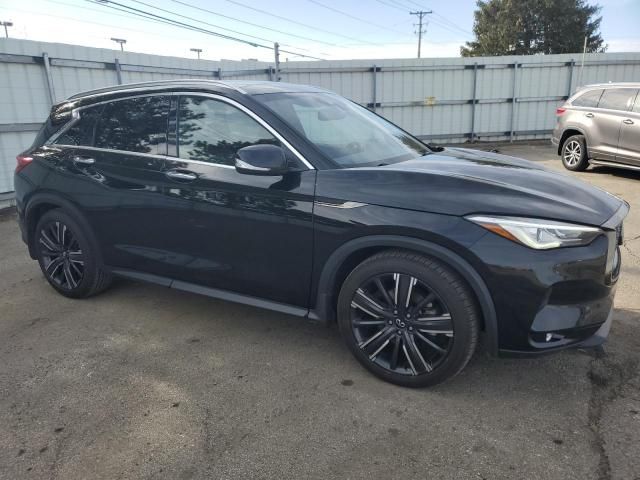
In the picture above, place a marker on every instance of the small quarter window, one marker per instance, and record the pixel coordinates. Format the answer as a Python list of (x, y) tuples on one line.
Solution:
[(588, 99), (82, 131), (213, 131), (135, 125)]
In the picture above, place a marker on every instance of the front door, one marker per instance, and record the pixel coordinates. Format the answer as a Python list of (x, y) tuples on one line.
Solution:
[(242, 233)]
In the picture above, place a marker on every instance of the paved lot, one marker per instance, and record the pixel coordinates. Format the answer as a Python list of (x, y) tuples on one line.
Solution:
[(145, 382)]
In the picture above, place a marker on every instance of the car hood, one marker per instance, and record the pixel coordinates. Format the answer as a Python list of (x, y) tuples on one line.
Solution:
[(459, 181)]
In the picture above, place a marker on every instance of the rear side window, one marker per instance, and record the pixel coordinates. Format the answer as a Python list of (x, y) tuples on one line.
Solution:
[(588, 99), (213, 131), (617, 99), (82, 132), (636, 107), (134, 125)]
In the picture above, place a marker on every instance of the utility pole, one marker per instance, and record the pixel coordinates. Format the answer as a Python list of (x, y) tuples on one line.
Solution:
[(276, 52), (5, 25), (121, 41), (197, 50), (420, 14)]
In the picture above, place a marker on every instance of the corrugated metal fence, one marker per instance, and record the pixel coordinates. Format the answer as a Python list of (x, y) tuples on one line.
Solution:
[(453, 99)]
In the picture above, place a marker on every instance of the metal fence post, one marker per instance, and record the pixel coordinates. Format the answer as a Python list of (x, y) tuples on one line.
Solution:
[(118, 71), (572, 63), (375, 87), (513, 101), (473, 102), (219, 73), (47, 71)]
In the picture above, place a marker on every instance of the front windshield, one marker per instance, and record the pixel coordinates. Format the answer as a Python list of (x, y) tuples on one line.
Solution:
[(345, 132)]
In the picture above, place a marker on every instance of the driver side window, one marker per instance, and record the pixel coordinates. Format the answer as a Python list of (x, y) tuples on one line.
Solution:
[(213, 131)]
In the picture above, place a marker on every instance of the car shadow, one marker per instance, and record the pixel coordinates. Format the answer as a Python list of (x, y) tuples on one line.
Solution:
[(616, 172)]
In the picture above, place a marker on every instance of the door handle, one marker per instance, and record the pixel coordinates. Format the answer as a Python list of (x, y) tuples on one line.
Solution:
[(628, 121), (184, 176), (589, 115), (83, 160)]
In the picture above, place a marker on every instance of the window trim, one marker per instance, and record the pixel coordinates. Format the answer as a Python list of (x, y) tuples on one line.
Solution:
[(75, 116), (629, 108), (582, 94), (247, 111)]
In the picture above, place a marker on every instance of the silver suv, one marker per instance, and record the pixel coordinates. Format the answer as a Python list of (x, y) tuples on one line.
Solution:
[(600, 125)]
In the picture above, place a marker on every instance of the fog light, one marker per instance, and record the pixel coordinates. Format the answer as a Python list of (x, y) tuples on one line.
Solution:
[(548, 337)]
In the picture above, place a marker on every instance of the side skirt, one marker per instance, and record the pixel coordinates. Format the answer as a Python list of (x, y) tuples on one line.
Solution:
[(604, 163), (213, 292)]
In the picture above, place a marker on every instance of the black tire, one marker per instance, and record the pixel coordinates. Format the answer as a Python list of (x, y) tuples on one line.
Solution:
[(68, 256), (450, 296), (574, 153)]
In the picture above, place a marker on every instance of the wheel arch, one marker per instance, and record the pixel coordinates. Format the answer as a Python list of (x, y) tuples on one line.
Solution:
[(354, 251), (41, 203), (570, 131)]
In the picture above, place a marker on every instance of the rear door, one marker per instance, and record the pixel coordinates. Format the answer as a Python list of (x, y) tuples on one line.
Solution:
[(629, 144), (582, 118), (117, 150), (607, 120)]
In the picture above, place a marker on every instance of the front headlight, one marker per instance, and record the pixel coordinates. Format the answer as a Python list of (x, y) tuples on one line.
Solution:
[(538, 234)]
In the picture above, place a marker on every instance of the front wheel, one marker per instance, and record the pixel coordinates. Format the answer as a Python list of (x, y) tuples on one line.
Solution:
[(574, 153), (408, 319)]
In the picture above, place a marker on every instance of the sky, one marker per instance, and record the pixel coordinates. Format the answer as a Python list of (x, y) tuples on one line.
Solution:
[(319, 29)]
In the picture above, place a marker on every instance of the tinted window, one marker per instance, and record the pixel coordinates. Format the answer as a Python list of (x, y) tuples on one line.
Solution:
[(213, 131), (589, 99), (617, 99), (135, 125), (82, 131)]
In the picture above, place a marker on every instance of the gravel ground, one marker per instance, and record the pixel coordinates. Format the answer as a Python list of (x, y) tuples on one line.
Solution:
[(146, 382)]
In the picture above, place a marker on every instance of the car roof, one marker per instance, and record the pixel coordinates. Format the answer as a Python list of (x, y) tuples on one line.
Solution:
[(247, 87), (613, 85)]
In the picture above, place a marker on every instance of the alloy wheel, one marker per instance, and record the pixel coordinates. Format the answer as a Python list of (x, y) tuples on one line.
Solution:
[(572, 153), (401, 324), (61, 254)]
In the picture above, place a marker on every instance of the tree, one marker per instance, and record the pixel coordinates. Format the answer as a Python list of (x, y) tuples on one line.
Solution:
[(528, 27)]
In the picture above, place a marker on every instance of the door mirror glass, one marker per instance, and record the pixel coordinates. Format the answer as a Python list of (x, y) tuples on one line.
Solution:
[(261, 159)]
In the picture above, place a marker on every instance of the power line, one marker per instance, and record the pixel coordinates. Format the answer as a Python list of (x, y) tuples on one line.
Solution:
[(138, 12), (302, 37), (306, 25), (421, 14), (49, 15), (454, 25), (393, 5), (211, 24), (340, 12), (444, 20)]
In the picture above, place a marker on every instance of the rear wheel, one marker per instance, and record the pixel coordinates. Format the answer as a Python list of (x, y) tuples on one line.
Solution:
[(408, 319), (67, 258), (574, 153)]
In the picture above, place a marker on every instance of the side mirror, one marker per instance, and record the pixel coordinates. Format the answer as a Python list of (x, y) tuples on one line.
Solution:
[(262, 159)]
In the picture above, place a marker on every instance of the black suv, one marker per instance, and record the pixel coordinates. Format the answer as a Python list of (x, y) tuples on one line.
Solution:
[(292, 198)]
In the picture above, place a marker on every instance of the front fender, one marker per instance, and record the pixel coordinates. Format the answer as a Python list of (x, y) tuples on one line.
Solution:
[(325, 301)]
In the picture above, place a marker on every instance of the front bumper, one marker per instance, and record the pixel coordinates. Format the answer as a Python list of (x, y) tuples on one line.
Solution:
[(549, 300)]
